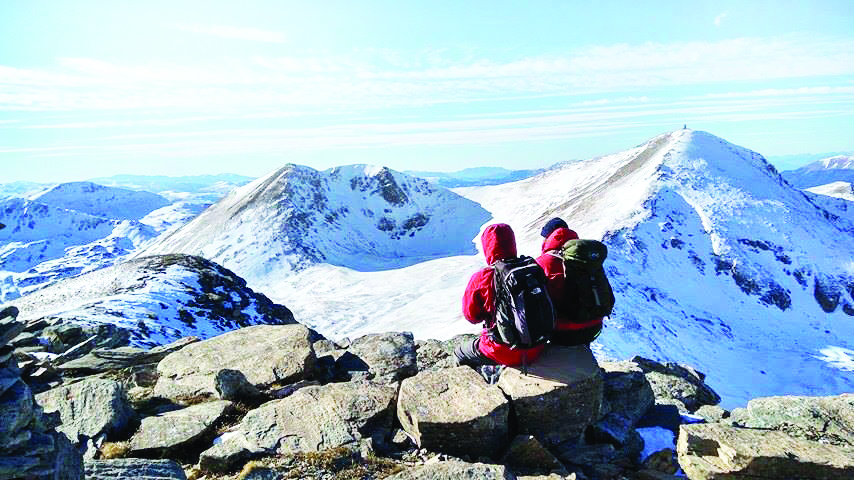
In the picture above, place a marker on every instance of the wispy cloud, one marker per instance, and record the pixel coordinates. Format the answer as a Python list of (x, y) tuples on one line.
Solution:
[(369, 80), (720, 18), (241, 33)]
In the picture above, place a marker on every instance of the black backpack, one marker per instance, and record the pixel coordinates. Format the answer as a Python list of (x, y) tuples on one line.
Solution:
[(589, 293), (524, 316)]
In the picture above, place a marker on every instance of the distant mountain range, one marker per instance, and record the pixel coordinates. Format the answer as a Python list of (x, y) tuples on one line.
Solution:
[(839, 168), (477, 176)]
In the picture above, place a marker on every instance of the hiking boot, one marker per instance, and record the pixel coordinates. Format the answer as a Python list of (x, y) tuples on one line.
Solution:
[(491, 373)]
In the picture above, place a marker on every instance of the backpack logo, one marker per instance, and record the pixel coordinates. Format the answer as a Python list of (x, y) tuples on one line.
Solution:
[(589, 293), (524, 316)]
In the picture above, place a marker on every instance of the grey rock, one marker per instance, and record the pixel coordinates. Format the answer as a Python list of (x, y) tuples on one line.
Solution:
[(265, 354), (312, 419), (24, 339), (88, 408), (626, 390), (713, 450), (526, 455), (232, 385), (455, 470), (16, 409), (433, 354), (102, 360), (454, 411), (586, 454), (614, 429), (559, 397), (824, 419), (677, 382), (177, 428), (9, 329), (386, 357), (712, 413), (134, 469)]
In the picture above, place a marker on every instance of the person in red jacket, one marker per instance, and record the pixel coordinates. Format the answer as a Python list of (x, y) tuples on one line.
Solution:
[(566, 332), (499, 243)]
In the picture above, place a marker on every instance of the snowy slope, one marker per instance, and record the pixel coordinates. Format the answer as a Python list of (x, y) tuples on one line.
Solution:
[(839, 168), (158, 299), (843, 190), (359, 217), (101, 201)]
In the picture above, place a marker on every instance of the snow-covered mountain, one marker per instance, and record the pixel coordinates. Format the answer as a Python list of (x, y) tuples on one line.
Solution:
[(101, 201), (716, 260), (194, 189), (839, 168), (158, 299), (82, 227), (360, 217)]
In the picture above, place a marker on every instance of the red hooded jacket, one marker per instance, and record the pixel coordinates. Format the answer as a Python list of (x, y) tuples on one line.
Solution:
[(499, 243), (553, 266)]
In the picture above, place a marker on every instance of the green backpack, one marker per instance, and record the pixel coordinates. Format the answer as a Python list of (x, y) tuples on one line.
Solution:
[(589, 294)]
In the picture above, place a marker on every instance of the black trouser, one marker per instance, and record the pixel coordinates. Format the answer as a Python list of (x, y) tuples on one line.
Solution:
[(469, 354), (569, 338)]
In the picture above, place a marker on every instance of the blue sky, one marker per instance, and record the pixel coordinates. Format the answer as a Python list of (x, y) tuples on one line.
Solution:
[(97, 88)]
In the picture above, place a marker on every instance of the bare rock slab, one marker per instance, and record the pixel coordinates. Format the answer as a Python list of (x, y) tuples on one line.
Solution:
[(454, 411), (134, 469), (88, 408), (177, 428), (559, 397), (388, 357), (264, 354), (826, 419), (456, 470), (312, 419), (714, 451)]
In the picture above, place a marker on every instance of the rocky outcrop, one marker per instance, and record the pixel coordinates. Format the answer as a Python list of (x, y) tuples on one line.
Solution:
[(265, 354), (29, 446), (828, 420), (711, 451), (454, 411), (679, 385), (558, 398)]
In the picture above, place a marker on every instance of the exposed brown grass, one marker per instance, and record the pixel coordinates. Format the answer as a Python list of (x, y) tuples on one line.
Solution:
[(110, 450)]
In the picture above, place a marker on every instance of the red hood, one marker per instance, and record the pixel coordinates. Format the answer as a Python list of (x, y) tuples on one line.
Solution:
[(499, 242), (558, 238)]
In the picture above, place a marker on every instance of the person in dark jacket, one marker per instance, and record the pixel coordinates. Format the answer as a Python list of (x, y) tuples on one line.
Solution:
[(499, 243), (566, 332)]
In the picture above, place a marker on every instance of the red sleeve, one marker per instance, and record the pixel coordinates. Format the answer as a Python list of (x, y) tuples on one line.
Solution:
[(477, 300)]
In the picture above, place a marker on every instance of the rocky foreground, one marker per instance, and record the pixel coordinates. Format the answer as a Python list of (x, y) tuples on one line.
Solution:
[(281, 401)]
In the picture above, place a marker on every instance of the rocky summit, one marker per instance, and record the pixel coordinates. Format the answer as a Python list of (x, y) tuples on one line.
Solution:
[(282, 402)]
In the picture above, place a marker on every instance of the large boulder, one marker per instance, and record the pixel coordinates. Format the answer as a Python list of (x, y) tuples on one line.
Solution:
[(825, 419), (166, 431), (559, 397), (382, 357), (265, 354), (627, 397), (88, 408), (454, 411), (312, 419), (134, 469), (712, 451), (455, 470)]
